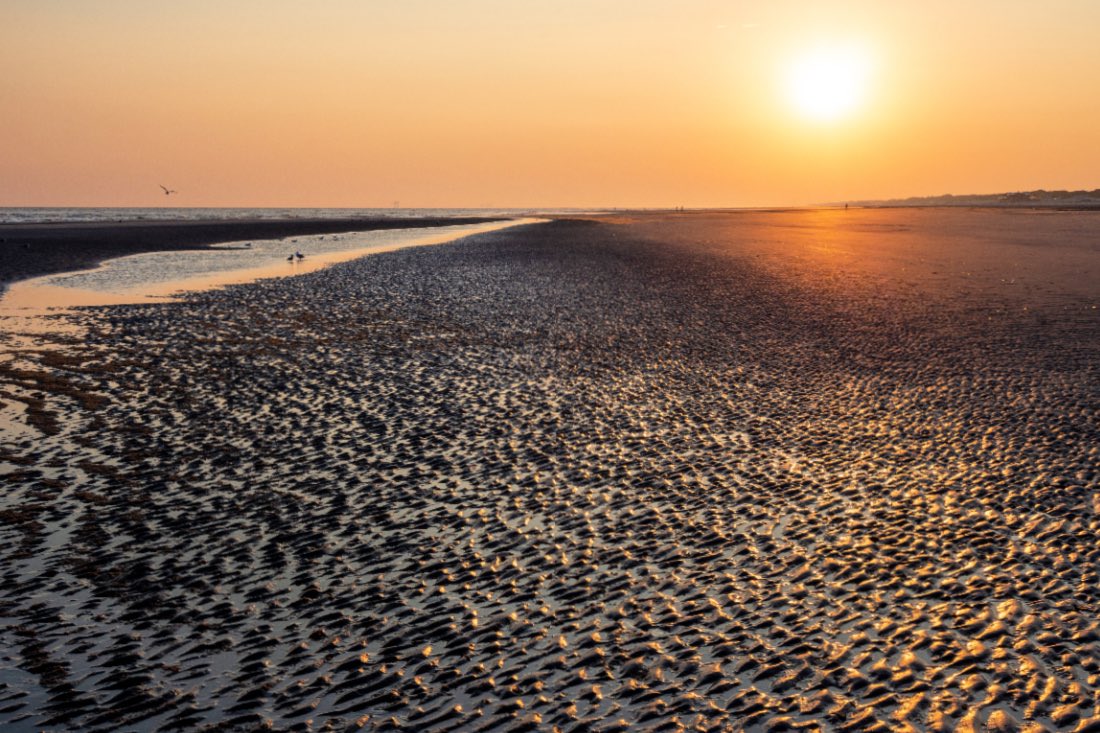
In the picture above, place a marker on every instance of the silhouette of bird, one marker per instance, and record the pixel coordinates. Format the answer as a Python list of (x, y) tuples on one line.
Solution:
[(167, 191)]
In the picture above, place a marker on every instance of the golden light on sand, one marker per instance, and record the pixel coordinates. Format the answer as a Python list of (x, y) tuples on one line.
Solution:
[(829, 83)]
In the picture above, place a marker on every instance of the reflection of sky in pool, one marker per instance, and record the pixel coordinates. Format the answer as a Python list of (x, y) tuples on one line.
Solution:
[(154, 276), (131, 273)]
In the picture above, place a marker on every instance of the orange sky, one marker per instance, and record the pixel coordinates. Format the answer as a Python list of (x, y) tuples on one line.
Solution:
[(536, 102)]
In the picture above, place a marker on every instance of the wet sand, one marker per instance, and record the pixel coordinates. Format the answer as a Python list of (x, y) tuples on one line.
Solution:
[(32, 250), (796, 471)]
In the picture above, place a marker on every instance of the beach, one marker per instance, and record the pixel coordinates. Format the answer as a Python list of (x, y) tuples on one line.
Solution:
[(794, 470)]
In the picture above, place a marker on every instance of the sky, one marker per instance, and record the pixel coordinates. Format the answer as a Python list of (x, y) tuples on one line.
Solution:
[(543, 103)]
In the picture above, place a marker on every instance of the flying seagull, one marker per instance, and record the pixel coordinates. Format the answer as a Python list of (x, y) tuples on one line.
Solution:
[(168, 191)]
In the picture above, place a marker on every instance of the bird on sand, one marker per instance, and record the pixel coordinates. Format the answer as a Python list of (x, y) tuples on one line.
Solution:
[(167, 191)]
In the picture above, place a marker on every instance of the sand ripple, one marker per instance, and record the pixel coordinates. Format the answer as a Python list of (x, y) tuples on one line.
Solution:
[(586, 477)]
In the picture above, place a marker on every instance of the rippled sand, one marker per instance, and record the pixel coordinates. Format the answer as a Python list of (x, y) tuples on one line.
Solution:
[(812, 470)]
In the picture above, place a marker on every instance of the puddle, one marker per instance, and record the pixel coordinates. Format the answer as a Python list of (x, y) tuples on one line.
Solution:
[(161, 276)]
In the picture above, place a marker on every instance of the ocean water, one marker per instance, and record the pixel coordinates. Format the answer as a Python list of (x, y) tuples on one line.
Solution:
[(28, 215)]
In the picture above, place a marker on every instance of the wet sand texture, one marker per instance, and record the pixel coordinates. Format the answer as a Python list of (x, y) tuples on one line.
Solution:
[(31, 250), (640, 474)]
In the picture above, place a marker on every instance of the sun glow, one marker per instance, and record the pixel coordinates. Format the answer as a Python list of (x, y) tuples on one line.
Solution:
[(828, 84)]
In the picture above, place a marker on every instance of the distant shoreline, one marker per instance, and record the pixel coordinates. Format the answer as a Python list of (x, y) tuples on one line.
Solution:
[(34, 250), (1079, 200), (998, 207)]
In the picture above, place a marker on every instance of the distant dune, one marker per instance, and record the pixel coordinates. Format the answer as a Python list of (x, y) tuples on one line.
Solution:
[(1056, 199)]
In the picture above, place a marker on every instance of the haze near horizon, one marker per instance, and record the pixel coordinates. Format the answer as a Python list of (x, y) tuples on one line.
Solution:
[(495, 104)]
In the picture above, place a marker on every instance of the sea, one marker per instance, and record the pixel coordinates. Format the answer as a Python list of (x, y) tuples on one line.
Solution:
[(58, 215)]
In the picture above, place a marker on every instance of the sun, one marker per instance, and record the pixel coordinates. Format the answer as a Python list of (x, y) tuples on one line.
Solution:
[(828, 83)]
